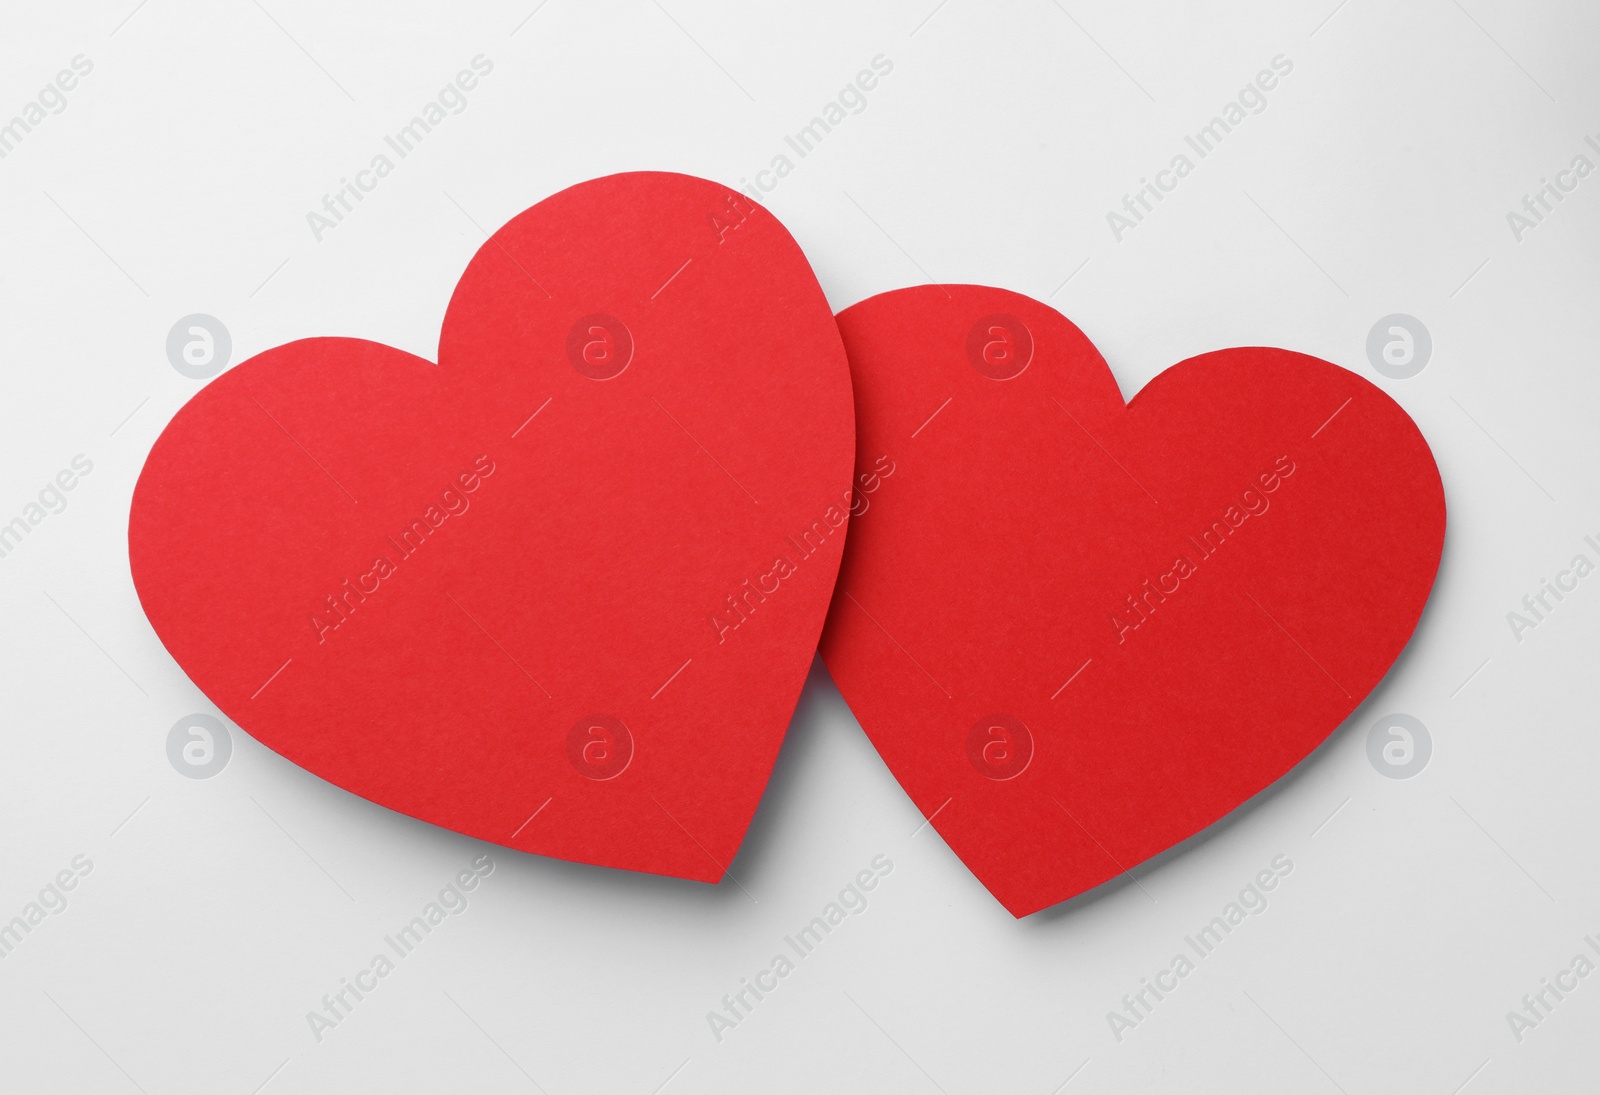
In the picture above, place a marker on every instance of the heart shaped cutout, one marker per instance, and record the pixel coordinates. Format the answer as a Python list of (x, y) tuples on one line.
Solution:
[(559, 591), (1079, 631)]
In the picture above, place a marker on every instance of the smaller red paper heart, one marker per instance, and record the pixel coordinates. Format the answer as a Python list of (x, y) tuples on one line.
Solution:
[(1080, 631), (559, 591)]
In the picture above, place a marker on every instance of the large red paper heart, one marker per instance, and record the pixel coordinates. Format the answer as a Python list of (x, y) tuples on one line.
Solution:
[(561, 590), (1079, 632)]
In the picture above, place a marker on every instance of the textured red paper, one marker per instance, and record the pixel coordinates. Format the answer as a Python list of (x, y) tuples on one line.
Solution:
[(642, 405), (982, 630)]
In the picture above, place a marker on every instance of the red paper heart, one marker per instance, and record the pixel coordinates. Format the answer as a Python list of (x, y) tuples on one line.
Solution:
[(560, 591), (1287, 515)]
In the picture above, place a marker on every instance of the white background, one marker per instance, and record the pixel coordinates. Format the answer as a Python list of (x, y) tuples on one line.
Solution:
[(218, 912)]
